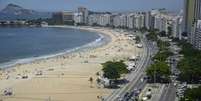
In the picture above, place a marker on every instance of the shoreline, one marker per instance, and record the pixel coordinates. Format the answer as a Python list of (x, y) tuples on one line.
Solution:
[(101, 41), (67, 77)]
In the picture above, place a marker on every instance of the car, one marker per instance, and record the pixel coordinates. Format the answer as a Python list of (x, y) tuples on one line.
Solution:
[(133, 93), (139, 45), (146, 77), (175, 84), (144, 98), (142, 80), (120, 99), (126, 94), (130, 94)]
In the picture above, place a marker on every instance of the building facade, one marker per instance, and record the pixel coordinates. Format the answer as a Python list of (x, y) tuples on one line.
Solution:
[(130, 21), (177, 27), (116, 21), (78, 18), (123, 20), (57, 18), (197, 42), (104, 19), (139, 20), (85, 13), (192, 12), (65, 17), (148, 19)]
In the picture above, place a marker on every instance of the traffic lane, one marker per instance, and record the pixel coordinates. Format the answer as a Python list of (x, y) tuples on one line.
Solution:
[(137, 81), (144, 64), (169, 94), (135, 76)]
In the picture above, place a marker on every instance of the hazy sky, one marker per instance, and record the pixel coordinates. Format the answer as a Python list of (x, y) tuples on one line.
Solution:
[(99, 5)]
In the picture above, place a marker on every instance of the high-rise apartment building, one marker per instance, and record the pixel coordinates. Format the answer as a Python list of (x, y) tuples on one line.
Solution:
[(177, 27), (139, 21), (148, 20), (130, 21), (123, 20), (78, 18), (57, 18), (192, 12), (197, 42), (65, 17), (84, 12)]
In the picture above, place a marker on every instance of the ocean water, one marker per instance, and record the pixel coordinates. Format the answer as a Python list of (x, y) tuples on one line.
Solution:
[(18, 45)]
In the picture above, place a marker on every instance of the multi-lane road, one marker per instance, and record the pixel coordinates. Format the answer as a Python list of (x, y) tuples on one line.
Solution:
[(136, 77), (169, 93)]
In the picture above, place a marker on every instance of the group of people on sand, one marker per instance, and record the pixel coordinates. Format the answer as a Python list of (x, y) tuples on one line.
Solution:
[(8, 92)]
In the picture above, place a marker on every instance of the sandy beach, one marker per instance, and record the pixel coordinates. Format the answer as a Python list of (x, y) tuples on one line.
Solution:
[(66, 77)]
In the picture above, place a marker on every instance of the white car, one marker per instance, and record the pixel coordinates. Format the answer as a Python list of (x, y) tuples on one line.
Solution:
[(139, 45)]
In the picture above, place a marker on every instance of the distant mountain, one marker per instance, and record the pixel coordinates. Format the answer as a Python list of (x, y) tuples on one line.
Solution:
[(13, 12)]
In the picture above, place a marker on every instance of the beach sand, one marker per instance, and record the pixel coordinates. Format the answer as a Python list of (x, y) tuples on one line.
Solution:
[(66, 78)]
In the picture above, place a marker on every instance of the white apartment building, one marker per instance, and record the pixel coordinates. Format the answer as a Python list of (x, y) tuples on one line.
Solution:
[(142, 18), (104, 19), (130, 21), (85, 13), (162, 22), (177, 27), (116, 21), (158, 23), (78, 18), (139, 21), (93, 19), (148, 19), (99, 19), (123, 20)]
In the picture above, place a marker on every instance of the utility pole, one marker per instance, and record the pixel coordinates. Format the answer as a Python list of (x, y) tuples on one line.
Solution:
[(155, 75)]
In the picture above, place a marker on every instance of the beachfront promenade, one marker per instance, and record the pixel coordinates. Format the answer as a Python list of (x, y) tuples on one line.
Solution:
[(136, 77)]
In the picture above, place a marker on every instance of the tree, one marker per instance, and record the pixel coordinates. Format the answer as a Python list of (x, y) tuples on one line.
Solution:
[(94, 24), (121, 67), (190, 70), (143, 29), (152, 36), (190, 65), (163, 45), (158, 72), (184, 34), (111, 73), (138, 40), (193, 94), (169, 31), (162, 34), (162, 55), (113, 70)]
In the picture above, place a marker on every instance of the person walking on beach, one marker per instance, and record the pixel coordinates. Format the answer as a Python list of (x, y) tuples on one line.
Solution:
[(91, 81)]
